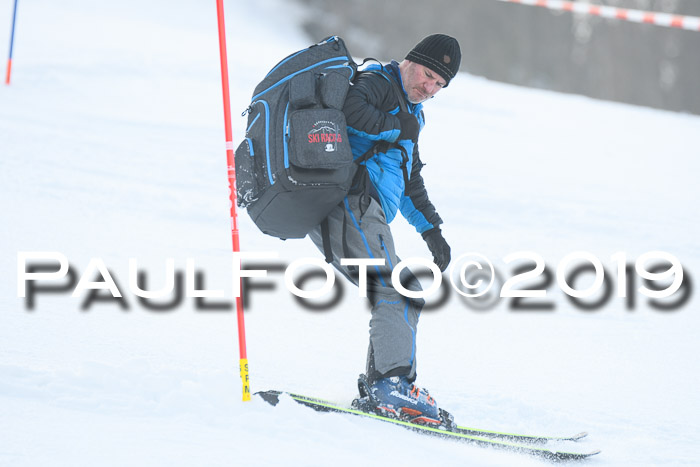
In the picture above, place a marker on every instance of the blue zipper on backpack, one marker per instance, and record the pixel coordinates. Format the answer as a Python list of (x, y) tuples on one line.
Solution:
[(330, 39), (288, 77), (267, 136), (285, 132), (352, 71), (252, 123), (250, 146)]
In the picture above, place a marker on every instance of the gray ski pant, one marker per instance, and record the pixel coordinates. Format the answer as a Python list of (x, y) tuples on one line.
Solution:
[(358, 229)]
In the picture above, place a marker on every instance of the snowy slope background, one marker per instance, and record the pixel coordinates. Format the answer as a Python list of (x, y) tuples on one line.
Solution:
[(111, 146)]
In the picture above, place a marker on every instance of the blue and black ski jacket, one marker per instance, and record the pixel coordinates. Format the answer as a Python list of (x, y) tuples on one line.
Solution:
[(370, 109)]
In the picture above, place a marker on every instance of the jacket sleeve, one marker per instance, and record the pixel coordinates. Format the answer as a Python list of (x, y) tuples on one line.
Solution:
[(415, 205), (366, 98)]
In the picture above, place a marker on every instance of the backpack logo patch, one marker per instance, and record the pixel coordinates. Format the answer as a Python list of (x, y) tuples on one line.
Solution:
[(325, 133)]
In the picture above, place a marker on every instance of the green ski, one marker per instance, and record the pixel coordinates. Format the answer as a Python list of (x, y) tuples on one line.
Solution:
[(485, 438)]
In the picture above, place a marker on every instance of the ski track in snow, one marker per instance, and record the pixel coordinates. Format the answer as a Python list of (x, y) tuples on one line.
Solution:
[(111, 143)]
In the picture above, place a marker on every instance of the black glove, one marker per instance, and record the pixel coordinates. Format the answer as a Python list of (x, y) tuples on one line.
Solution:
[(438, 247), (409, 126)]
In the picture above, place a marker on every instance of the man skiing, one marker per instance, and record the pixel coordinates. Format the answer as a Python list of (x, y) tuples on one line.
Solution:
[(384, 115)]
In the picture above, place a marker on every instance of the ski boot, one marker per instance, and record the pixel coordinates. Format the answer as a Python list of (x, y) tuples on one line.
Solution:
[(395, 397)]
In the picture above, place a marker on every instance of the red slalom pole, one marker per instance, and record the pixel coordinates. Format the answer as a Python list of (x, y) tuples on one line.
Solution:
[(12, 43), (232, 195)]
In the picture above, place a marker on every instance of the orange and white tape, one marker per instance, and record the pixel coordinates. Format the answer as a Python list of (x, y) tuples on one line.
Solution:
[(691, 23)]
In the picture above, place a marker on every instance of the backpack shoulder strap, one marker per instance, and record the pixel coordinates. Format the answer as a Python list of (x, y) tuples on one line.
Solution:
[(384, 146), (395, 86)]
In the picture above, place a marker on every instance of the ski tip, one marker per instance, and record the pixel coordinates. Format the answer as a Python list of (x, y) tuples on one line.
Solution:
[(579, 436), (589, 454), (568, 456)]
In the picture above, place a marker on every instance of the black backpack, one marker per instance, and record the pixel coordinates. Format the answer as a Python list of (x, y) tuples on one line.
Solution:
[(295, 163)]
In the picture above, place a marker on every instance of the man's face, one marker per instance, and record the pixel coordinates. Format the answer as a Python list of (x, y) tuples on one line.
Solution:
[(420, 82)]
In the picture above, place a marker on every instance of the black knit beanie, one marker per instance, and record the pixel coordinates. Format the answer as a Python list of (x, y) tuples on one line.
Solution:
[(440, 53)]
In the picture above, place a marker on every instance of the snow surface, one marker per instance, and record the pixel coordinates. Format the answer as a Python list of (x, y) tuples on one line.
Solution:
[(112, 146)]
